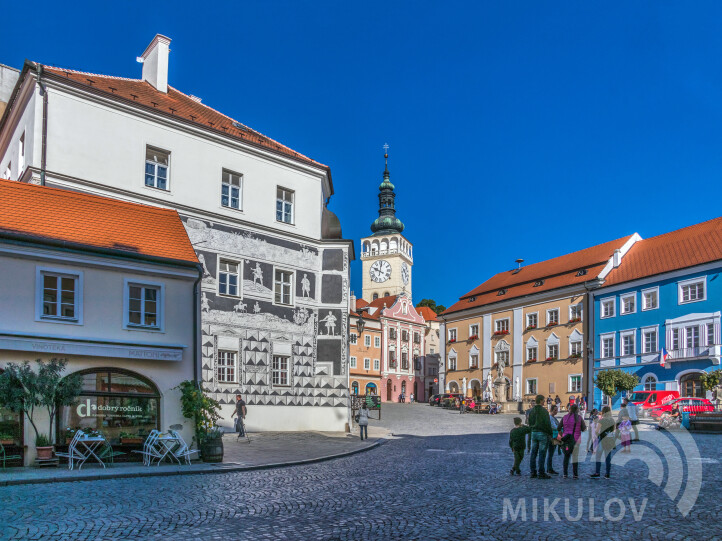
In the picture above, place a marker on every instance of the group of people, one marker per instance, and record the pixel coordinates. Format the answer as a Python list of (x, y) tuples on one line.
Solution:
[(579, 400), (544, 435), (402, 398)]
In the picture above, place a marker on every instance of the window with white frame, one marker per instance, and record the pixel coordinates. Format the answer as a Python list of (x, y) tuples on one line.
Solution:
[(283, 287), (553, 316), (367, 364), (474, 330), (650, 299), (531, 353), (607, 308), (353, 362), (377, 341), (675, 339), (710, 334), (231, 190), (532, 320), (502, 325), (226, 368), (692, 290), (59, 296), (575, 383), (649, 340), (452, 335), (229, 278), (367, 341), (628, 303), (575, 312), (650, 383), (144, 306), (377, 364), (284, 205), (474, 360), (575, 348), (607, 346), (156, 168), (627, 343), (452, 363), (531, 387), (502, 356), (691, 335), (552, 351), (279, 370), (353, 338)]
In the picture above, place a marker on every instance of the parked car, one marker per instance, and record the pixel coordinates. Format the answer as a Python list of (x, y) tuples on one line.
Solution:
[(645, 400), (685, 403), (434, 400)]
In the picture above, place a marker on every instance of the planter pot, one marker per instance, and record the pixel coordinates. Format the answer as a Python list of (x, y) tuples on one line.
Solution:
[(7, 442), (45, 453), (212, 450), (131, 441)]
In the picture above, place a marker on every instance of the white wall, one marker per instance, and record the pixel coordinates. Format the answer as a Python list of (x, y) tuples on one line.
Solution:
[(28, 121)]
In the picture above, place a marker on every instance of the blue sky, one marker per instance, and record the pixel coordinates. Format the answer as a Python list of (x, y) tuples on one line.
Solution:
[(517, 129)]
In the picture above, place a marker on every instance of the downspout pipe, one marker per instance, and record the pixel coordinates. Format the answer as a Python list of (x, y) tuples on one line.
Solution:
[(44, 135), (196, 327)]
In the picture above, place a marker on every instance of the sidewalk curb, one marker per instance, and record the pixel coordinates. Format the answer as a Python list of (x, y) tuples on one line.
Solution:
[(220, 470)]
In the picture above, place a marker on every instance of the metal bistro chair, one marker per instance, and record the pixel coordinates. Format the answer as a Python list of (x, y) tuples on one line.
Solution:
[(107, 452), (182, 451), (5, 457), (74, 453), (150, 451)]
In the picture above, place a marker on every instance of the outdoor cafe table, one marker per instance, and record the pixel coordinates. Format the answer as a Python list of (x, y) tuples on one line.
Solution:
[(89, 444), (165, 444)]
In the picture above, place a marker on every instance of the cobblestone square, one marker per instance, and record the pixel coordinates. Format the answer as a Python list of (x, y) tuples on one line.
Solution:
[(441, 476)]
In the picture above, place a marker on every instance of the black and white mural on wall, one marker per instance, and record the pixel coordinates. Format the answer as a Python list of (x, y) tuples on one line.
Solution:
[(311, 330)]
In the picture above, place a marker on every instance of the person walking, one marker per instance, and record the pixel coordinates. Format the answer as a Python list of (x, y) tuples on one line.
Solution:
[(550, 401), (517, 439), (593, 431), (411, 398), (633, 417), (363, 421), (541, 431), (606, 443), (552, 445), (582, 407), (625, 434), (571, 428), (240, 414), (558, 402)]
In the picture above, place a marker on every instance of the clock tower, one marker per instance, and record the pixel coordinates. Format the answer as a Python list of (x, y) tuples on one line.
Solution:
[(386, 256)]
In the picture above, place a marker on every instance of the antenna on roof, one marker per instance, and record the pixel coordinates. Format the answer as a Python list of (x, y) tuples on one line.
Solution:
[(519, 262)]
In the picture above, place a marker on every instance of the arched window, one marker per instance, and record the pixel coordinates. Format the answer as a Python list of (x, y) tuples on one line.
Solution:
[(386, 293), (691, 385), (650, 383), (354, 387), (375, 296), (371, 388), (453, 387), (116, 402)]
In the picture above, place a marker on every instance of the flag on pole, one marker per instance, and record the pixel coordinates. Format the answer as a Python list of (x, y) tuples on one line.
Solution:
[(663, 356)]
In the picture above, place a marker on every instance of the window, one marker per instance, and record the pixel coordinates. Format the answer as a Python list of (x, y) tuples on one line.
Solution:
[(282, 286), (575, 383), (531, 386), (628, 303), (692, 336), (354, 388), (432, 350), (627, 344), (226, 369), (353, 362), (692, 291), (553, 317), (452, 363), (531, 354), (607, 347), (405, 336), (21, 154), (532, 320), (575, 312), (367, 364), (375, 296), (650, 383), (710, 334), (231, 190), (607, 308), (404, 360), (377, 364), (228, 278), (473, 330), (575, 348), (284, 205), (650, 299), (156, 168), (502, 356), (144, 303), (502, 326), (474, 361), (377, 341), (452, 335), (675, 338), (649, 337), (539, 283), (417, 338), (280, 370), (353, 338), (59, 298), (367, 341), (553, 351)]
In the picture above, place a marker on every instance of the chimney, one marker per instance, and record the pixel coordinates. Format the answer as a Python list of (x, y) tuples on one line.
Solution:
[(155, 62), (353, 301), (617, 257)]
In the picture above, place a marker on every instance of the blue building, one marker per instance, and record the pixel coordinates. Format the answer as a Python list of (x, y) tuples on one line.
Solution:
[(657, 314)]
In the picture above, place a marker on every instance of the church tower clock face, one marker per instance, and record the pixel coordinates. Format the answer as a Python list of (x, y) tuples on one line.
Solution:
[(380, 271), (405, 273)]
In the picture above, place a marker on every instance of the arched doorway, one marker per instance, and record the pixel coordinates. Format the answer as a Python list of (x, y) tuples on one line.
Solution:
[(416, 391), (389, 391), (475, 387), (371, 388), (691, 385), (453, 387), (354, 388)]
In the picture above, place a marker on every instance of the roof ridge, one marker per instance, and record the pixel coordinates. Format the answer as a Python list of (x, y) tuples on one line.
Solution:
[(79, 72), (681, 229)]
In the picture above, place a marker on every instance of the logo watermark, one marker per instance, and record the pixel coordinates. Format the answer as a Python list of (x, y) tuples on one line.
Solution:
[(572, 509)]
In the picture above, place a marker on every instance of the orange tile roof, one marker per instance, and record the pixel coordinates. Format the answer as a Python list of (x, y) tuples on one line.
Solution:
[(693, 245), (427, 313), (174, 103), (557, 272), (93, 221), (378, 304)]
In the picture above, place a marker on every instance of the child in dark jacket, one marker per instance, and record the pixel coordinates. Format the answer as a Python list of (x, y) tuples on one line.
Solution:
[(517, 443)]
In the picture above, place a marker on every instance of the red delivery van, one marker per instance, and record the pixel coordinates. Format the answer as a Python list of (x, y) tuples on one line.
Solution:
[(651, 399)]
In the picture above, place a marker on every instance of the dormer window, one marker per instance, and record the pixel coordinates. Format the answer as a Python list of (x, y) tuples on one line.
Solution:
[(582, 272), (539, 283), (501, 292)]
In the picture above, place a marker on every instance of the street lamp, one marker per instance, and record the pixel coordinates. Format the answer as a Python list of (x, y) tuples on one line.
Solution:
[(360, 324)]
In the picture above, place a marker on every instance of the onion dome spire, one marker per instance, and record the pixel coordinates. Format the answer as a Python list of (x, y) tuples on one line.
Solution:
[(387, 222)]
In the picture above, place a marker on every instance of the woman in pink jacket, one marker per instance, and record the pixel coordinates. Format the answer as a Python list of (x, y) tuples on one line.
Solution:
[(571, 429)]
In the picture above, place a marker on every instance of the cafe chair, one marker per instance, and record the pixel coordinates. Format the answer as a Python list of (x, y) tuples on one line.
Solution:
[(182, 452), (5, 457), (108, 453), (150, 451), (74, 453)]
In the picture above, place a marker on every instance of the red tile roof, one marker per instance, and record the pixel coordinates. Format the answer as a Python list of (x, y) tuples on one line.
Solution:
[(174, 103), (378, 304), (558, 272), (92, 221), (693, 245), (427, 313)]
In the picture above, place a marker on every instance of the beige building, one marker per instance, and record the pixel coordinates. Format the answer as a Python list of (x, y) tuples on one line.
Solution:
[(531, 321)]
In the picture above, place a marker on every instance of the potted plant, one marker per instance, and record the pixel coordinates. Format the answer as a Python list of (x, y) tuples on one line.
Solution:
[(203, 410), (530, 327), (473, 337), (6, 439), (575, 320), (23, 389), (126, 438)]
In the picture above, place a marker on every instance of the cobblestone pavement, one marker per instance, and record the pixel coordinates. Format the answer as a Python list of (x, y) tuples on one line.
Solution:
[(442, 476)]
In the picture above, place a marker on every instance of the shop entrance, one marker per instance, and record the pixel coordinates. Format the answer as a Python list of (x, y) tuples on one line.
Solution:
[(389, 391)]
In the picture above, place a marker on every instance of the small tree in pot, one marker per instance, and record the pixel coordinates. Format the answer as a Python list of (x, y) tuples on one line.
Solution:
[(23, 389), (203, 410)]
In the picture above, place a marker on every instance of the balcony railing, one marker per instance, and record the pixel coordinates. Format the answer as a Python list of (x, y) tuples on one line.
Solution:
[(370, 253), (692, 353)]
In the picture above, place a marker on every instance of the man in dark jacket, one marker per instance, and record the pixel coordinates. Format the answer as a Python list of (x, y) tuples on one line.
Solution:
[(517, 443), (541, 433)]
